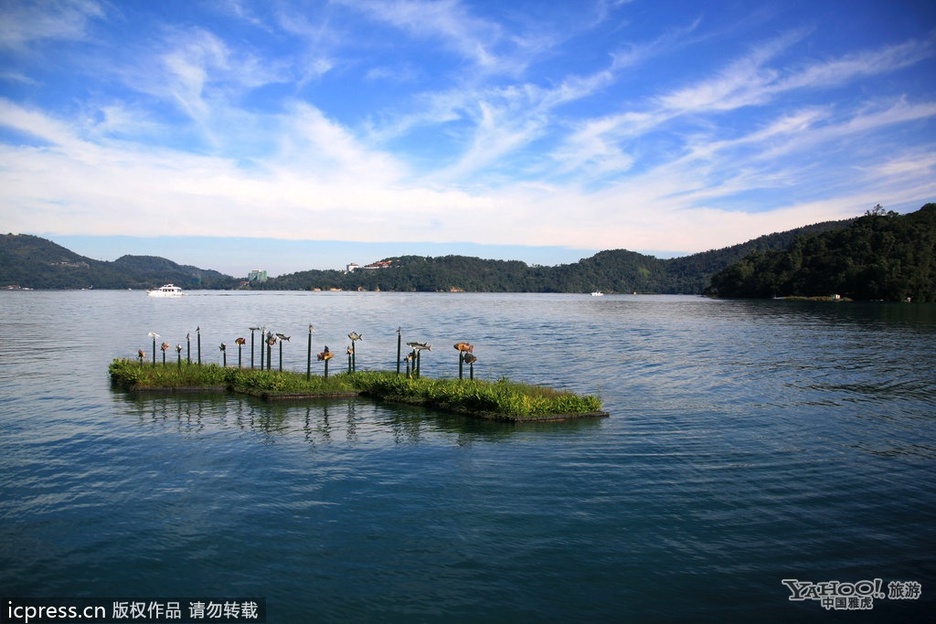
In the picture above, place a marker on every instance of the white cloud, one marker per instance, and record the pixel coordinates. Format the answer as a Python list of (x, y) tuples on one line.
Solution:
[(23, 23), (200, 72), (751, 81), (445, 21)]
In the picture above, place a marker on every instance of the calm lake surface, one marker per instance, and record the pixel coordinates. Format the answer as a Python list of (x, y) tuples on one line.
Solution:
[(748, 442)]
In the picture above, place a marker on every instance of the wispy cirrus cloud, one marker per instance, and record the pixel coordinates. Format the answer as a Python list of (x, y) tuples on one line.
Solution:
[(449, 24), (753, 80), (23, 23), (199, 72), (600, 146)]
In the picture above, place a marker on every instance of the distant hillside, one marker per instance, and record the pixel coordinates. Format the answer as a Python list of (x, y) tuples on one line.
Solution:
[(32, 262), (616, 270), (692, 274), (158, 271), (882, 255)]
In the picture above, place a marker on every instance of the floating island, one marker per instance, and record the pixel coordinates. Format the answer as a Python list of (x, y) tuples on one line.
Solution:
[(501, 400)]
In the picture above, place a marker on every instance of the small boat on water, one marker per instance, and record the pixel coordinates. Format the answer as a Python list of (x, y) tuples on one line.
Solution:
[(169, 290), (597, 293)]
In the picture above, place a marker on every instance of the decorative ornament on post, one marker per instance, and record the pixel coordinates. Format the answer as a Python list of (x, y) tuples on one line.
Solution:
[(471, 359), (141, 355), (324, 356), (240, 342), (178, 351), (282, 338), (463, 349), (154, 336), (418, 348), (270, 341), (164, 347), (354, 336)]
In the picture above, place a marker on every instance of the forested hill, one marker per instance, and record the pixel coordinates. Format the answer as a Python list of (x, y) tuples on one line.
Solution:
[(32, 262), (881, 256), (610, 271)]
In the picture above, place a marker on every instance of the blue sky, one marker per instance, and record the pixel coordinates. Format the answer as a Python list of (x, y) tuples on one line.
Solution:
[(290, 135)]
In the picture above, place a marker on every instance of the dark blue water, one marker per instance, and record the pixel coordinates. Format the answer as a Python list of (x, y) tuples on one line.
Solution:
[(748, 442)]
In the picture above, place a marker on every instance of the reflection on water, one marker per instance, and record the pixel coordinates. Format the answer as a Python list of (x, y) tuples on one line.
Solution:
[(321, 422)]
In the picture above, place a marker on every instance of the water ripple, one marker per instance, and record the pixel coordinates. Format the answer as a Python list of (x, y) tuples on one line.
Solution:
[(748, 442)]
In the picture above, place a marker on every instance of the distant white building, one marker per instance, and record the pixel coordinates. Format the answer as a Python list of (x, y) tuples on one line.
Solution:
[(351, 268), (257, 275)]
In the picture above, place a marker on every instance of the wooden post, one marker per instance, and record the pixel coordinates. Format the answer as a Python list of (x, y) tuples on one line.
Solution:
[(471, 359), (309, 356), (399, 339), (252, 330), (269, 350), (352, 357)]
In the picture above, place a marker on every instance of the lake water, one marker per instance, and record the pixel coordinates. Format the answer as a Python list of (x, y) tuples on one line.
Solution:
[(748, 442)]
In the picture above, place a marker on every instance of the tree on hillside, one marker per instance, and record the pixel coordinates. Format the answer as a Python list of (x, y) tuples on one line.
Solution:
[(882, 255)]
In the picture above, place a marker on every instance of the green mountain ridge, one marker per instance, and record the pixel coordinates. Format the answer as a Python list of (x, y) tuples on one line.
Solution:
[(611, 271), (28, 261), (617, 270), (880, 256)]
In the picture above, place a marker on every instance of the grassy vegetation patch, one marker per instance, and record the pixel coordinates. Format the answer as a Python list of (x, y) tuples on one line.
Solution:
[(492, 399), (271, 384), (133, 375), (502, 399)]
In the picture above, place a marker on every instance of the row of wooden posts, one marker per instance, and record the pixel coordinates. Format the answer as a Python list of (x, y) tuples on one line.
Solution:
[(412, 359)]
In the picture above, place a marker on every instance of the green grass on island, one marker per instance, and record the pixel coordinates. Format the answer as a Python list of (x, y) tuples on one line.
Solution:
[(496, 400)]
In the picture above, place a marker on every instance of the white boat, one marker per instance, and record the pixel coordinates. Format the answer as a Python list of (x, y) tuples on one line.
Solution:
[(169, 290), (597, 293)]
